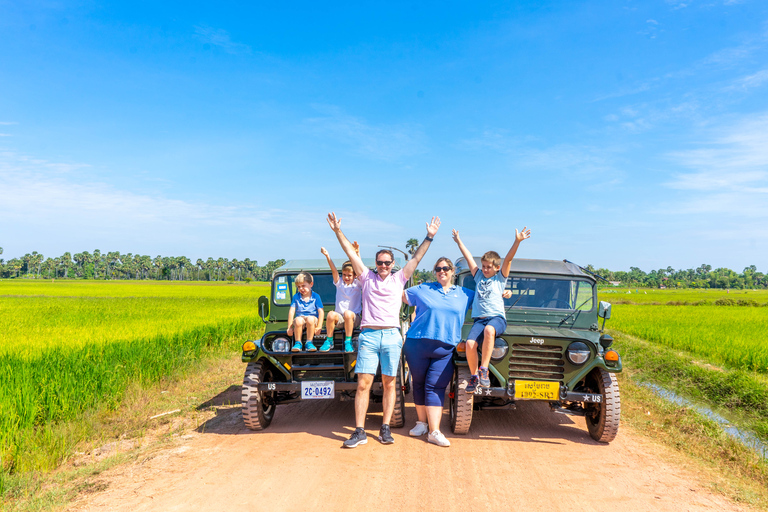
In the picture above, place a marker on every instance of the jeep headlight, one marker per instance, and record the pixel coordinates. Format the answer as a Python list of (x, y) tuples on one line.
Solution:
[(281, 344), (500, 349), (578, 353)]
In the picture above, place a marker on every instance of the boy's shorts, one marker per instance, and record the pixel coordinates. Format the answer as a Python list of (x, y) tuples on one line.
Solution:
[(379, 345), (497, 322), (340, 323)]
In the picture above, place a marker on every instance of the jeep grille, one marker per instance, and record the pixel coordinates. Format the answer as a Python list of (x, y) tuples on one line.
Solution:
[(541, 362)]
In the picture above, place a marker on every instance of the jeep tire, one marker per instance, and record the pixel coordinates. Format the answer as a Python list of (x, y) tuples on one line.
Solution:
[(258, 409), (603, 418), (461, 401), (398, 414)]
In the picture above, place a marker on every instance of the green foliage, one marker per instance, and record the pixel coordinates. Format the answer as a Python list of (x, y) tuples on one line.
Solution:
[(70, 347)]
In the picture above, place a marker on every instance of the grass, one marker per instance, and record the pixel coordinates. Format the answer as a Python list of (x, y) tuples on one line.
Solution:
[(70, 354), (683, 296), (733, 336)]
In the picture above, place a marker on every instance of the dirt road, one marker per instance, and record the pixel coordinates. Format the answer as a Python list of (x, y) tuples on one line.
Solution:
[(529, 459)]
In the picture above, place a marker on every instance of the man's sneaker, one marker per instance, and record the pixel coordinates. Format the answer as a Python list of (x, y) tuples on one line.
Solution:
[(385, 436), (419, 430), (484, 380), (327, 345), (437, 437), (296, 347), (310, 347), (357, 437), (348, 346), (472, 384)]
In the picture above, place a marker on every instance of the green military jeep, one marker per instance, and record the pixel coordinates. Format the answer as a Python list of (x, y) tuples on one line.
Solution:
[(552, 349), (274, 375)]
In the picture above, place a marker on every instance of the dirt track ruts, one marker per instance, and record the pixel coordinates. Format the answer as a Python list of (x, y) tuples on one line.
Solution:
[(526, 459)]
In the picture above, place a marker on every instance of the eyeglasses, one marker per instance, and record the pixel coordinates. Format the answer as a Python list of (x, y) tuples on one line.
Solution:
[(442, 269), (384, 263)]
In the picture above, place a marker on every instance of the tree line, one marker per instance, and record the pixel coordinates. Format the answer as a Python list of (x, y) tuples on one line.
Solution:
[(114, 265)]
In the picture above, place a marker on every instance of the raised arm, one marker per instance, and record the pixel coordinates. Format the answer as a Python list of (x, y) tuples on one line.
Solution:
[(334, 272), (432, 228), (519, 237), (348, 248), (465, 252)]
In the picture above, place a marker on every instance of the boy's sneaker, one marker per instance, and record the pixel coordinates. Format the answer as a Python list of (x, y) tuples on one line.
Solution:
[(484, 380), (357, 437), (296, 347), (420, 429), (310, 347), (385, 436), (472, 384), (327, 345), (437, 437), (348, 346)]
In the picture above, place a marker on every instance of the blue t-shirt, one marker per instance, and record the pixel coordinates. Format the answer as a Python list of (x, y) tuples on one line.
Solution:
[(311, 307), (488, 295), (439, 315)]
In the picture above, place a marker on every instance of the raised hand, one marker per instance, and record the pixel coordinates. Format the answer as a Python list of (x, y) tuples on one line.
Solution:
[(356, 246), (522, 235), (334, 222), (455, 234), (433, 226), (324, 251)]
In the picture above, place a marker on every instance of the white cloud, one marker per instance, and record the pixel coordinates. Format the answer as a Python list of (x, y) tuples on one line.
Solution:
[(729, 173), (49, 207), (382, 142), (751, 81), (220, 38)]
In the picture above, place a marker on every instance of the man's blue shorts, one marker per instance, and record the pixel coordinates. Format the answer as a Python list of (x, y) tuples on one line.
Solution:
[(497, 322), (379, 345)]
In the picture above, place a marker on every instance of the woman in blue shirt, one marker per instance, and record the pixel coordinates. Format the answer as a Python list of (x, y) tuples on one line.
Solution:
[(434, 333)]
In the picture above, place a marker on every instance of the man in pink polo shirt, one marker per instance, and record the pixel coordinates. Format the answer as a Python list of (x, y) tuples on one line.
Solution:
[(380, 340)]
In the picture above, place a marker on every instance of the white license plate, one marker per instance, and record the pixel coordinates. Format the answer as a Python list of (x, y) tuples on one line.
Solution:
[(318, 390)]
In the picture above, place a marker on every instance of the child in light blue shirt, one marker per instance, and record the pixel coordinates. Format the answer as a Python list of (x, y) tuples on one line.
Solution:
[(306, 311), (488, 305)]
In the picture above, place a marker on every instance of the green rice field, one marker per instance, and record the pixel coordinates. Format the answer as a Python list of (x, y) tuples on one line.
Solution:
[(730, 327), (67, 347), (683, 296)]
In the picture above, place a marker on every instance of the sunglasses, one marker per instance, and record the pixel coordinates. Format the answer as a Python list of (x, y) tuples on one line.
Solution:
[(384, 263), (442, 269)]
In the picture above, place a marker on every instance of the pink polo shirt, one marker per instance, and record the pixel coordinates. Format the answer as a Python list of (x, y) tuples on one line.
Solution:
[(382, 299)]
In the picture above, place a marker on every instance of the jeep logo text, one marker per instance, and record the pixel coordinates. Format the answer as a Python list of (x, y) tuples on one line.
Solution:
[(538, 341)]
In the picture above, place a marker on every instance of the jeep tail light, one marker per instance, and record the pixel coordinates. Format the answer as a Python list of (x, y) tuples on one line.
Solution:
[(461, 349)]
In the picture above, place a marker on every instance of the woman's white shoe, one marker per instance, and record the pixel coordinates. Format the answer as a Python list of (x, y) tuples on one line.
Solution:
[(437, 437), (419, 430)]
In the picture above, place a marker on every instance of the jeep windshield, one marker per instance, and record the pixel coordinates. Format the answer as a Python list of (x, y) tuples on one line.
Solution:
[(284, 288), (550, 293), (561, 293)]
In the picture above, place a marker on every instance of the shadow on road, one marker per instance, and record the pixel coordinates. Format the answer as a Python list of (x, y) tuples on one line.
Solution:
[(529, 422)]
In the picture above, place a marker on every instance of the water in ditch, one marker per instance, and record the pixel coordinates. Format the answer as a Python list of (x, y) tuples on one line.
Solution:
[(746, 438)]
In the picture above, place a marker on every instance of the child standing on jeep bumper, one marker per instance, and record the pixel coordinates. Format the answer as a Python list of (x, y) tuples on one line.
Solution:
[(306, 311), (488, 305)]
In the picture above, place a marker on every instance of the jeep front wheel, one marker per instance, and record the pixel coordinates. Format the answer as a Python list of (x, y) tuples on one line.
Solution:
[(461, 401), (603, 418), (258, 406)]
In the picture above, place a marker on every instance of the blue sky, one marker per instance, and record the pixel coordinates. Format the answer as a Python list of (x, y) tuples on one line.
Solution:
[(623, 133)]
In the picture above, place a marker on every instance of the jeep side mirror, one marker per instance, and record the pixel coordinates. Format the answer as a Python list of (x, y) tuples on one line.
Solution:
[(604, 310), (263, 307)]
